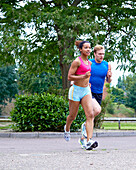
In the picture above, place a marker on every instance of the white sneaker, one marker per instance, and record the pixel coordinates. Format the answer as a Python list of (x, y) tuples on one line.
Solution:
[(82, 142), (83, 130), (91, 144), (66, 134)]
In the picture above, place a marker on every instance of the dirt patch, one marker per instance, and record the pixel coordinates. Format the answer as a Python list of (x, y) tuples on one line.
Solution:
[(119, 115)]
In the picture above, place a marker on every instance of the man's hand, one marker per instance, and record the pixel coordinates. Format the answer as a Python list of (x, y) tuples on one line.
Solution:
[(109, 75)]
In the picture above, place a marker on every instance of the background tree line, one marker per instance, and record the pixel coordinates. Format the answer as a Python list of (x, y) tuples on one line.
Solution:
[(14, 82), (125, 91)]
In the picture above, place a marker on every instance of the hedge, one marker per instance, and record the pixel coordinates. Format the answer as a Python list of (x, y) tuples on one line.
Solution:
[(43, 112)]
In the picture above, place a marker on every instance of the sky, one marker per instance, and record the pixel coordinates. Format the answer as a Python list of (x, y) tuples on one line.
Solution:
[(117, 73)]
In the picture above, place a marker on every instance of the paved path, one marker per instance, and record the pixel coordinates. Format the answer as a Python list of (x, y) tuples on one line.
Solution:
[(113, 153)]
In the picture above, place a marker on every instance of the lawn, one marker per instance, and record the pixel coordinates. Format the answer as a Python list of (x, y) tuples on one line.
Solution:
[(5, 125), (105, 125), (123, 125)]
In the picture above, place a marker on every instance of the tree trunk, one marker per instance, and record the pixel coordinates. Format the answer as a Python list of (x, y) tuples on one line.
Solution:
[(64, 70), (67, 44)]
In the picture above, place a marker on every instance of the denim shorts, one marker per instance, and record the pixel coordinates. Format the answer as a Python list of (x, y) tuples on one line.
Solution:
[(76, 93)]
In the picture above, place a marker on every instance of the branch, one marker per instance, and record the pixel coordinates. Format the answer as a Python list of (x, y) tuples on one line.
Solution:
[(76, 2), (124, 31), (46, 3), (126, 3)]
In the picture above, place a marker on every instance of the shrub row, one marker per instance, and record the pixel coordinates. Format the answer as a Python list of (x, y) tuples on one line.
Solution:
[(43, 112)]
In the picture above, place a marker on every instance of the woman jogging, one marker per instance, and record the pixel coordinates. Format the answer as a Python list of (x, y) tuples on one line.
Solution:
[(80, 92)]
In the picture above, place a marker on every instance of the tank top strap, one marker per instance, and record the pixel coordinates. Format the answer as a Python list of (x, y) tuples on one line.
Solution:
[(83, 62), (80, 59), (89, 63)]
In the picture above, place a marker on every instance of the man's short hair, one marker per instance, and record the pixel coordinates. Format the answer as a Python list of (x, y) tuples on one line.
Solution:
[(98, 47)]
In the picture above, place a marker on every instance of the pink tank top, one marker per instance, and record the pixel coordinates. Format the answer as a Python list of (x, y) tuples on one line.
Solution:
[(83, 68)]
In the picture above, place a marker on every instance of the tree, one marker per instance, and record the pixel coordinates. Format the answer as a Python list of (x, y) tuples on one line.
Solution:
[(8, 84), (131, 94), (118, 95), (54, 25), (121, 83), (45, 82), (126, 87)]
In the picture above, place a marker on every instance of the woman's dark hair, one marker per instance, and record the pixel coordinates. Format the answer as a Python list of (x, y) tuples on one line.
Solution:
[(79, 43)]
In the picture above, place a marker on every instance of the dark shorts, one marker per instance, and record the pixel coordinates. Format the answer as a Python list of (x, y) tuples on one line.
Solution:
[(98, 97)]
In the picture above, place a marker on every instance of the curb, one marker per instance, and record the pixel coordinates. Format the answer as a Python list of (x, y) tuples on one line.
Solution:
[(7, 134)]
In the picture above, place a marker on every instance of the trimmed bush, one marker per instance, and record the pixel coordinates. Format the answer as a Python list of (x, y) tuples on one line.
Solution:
[(43, 112)]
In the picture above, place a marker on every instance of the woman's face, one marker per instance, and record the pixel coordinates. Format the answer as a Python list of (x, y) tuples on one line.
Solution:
[(86, 49)]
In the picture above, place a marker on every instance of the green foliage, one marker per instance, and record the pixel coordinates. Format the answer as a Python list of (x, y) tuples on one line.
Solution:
[(44, 112), (45, 82), (131, 94), (110, 108), (42, 33), (121, 83), (123, 110), (8, 84), (118, 95), (127, 83)]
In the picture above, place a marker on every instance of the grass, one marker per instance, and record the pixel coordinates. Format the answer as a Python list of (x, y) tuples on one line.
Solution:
[(5, 125), (123, 125), (105, 125)]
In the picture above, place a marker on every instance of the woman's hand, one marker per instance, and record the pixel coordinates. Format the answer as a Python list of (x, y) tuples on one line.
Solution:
[(87, 74)]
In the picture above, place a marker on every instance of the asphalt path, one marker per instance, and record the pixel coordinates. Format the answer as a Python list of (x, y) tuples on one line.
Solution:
[(113, 153)]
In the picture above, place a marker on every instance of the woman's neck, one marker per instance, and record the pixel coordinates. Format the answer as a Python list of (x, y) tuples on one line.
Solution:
[(85, 58)]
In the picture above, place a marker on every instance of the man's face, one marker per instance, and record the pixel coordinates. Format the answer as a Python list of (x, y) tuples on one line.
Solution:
[(99, 55)]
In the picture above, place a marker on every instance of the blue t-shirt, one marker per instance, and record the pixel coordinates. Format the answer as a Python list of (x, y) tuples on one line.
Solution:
[(98, 74)]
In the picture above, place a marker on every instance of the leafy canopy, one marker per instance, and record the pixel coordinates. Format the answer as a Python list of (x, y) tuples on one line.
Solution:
[(41, 33)]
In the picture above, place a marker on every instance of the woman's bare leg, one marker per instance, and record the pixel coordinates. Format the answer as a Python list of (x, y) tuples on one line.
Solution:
[(86, 103), (73, 110)]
